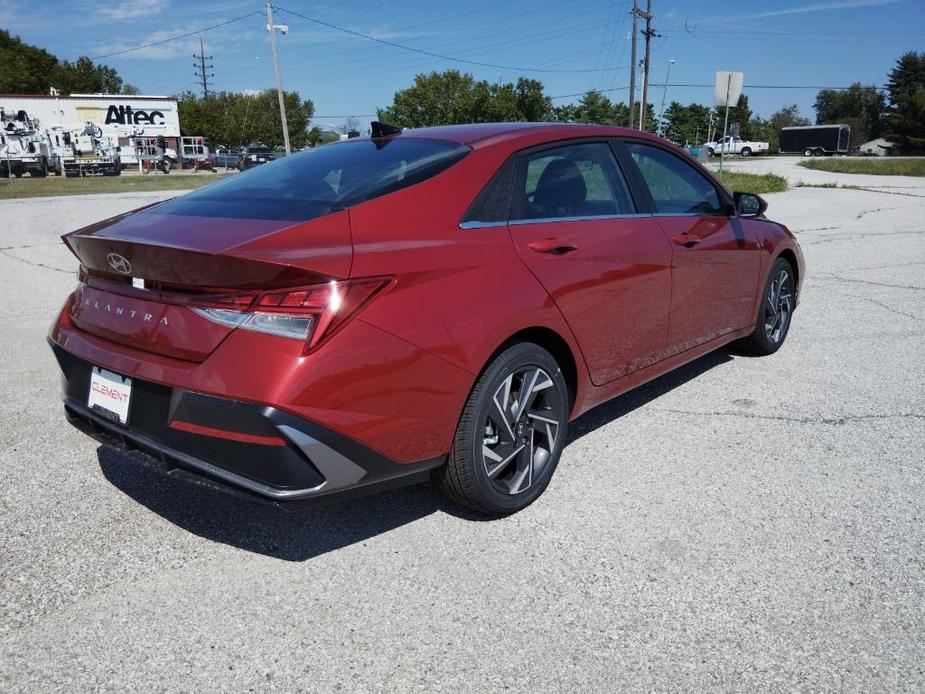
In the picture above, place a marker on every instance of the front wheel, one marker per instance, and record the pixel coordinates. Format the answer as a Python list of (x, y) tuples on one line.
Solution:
[(776, 311), (511, 433)]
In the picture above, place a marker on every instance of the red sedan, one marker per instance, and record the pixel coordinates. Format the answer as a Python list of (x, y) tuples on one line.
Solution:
[(426, 303)]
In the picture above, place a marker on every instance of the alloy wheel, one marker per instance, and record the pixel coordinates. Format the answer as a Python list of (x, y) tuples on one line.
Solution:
[(778, 307), (521, 429)]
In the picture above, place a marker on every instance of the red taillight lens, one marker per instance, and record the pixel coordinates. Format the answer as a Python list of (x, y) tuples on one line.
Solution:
[(305, 313)]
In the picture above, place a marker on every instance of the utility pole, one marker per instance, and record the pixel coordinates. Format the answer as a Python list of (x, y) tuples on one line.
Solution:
[(201, 75), (271, 27), (661, 110), (648, 32), (633, 62)]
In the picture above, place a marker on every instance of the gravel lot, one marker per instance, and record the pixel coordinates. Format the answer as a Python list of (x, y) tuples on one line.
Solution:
[(742, 524)]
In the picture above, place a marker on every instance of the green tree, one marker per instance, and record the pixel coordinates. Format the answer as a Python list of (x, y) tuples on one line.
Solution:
[(28, 69), (739, 114), (83, 76), (905, 120), (25, 69), (769, 130), (233, 119), (444, 98), (686, 124), (860, 107)]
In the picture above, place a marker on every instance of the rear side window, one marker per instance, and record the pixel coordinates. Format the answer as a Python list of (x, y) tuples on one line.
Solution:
[(314, 183), (491, 205), (676, 186), (579, 180)]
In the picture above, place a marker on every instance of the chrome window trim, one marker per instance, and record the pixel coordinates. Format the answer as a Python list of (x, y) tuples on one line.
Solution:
[(583, 218), (547, 220), (691, 214)]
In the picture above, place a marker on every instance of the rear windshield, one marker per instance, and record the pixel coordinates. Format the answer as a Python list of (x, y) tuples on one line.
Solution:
[(314, 183)]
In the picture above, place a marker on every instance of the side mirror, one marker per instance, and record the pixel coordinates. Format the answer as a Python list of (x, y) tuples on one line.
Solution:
[(749, 204)]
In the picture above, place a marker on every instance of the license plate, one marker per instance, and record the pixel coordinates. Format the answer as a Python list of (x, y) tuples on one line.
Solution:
[(110, 394)]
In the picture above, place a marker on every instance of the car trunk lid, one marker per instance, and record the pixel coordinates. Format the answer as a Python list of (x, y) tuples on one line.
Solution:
[(144, 274)]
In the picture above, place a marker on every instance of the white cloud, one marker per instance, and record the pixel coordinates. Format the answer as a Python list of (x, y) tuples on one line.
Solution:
[(811, 7), (122, 10)]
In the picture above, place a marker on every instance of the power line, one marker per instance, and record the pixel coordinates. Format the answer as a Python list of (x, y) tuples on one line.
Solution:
[(747, 86), (430, 53), (174, 38)]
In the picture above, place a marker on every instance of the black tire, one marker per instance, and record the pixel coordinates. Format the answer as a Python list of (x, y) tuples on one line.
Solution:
[(808, 152), (520, 479), (41, 171), (711, 152), (773, 325), (746, 152)]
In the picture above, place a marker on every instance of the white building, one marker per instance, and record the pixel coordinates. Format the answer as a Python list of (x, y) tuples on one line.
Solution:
[(120, 117)]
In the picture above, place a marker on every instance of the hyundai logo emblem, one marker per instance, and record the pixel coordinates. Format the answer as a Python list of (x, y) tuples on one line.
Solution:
[(119, 264)]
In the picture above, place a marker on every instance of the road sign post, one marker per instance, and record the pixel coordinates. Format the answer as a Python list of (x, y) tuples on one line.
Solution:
[(728, 88)]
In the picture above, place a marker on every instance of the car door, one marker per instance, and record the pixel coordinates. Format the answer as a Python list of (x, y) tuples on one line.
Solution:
[(715, 258), (576, 226)]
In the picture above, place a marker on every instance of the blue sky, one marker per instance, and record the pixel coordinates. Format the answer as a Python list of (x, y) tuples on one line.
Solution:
[(570, 46)]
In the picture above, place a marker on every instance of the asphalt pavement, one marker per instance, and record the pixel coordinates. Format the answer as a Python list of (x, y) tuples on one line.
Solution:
[(741, 524)]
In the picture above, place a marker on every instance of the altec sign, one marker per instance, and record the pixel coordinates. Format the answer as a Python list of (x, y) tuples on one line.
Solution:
[(126, 115)]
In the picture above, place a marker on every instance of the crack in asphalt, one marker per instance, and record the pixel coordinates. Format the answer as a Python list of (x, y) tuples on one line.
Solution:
[(34, 245), (827, 421), (883, 306), (855, 280), (4, 252), (887, 267), (864, 213), (812, 229), (882, 192), (830, 238)]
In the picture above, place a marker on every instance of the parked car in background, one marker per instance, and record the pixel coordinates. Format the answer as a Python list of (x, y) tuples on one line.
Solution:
[(440, 302), (224, 158), (255, 155), (732, 144)]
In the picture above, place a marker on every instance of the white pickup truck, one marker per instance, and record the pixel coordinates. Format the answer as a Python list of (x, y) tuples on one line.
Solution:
[(736, 145)]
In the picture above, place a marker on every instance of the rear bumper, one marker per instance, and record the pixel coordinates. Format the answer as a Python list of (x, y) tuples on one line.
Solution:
[(270, 454)]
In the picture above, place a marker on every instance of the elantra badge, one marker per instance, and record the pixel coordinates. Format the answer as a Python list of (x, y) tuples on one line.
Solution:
[(119, 263)]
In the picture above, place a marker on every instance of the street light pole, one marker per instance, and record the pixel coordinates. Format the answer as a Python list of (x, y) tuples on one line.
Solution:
[(661, 110), (271, 27)]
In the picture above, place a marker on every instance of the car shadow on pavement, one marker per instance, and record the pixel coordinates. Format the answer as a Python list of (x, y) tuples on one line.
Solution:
[(251, 525), (237, 520), (644, 394)]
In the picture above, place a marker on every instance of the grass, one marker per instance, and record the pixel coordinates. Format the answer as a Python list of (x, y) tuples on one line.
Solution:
[(59, 185), (874, 165), (752, 183)]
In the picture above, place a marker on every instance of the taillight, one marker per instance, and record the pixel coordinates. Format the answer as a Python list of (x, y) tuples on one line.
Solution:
[(306, 313)]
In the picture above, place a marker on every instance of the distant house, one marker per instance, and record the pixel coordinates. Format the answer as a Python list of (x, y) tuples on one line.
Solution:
[(877, 148)]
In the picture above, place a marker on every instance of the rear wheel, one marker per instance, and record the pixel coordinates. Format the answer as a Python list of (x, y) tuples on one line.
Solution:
[(510, 434), (775, 313), (808, 152), (41, 170), (746, 152)]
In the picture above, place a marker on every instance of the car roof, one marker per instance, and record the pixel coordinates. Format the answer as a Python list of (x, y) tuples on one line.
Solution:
[(481, 134)]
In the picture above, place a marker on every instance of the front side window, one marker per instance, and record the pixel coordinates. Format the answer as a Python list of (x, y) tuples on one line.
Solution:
[(314, 183), (579, 180), (676, 186)]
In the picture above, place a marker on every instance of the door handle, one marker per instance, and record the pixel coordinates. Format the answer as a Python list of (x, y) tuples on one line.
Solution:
[(686, 240), (554, 246)]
